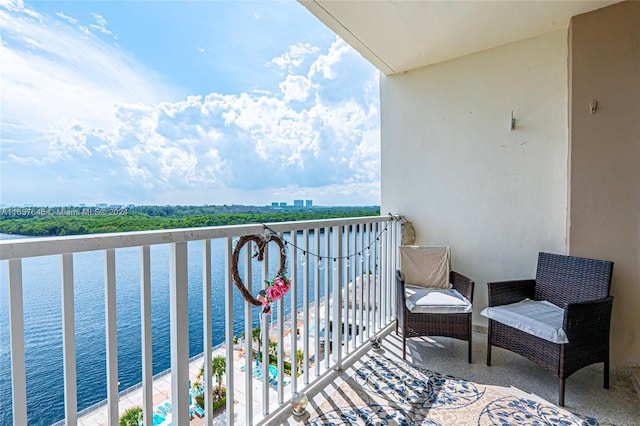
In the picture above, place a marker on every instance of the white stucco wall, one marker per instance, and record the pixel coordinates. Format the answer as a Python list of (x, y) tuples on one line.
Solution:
[(453, 167)]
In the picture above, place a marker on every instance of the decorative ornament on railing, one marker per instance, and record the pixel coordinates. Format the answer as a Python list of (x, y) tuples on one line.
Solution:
[(274, 289)]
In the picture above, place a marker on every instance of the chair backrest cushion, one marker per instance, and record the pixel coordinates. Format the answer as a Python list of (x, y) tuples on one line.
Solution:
[(425, 266), (564, 279)]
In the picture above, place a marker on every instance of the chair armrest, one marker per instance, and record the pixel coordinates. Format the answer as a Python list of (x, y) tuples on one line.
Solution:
[(588, 321), (506, 292), (462, 284)]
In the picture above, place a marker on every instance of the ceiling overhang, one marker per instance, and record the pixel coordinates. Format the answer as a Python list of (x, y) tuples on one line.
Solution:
[(398, 36)]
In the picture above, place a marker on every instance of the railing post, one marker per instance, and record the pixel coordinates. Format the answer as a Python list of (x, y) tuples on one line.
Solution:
[(16, 320), (145, 319), (291, 253), (111, 333), (69, 343), (228, 310), (316, 291), (179, 330), (264, 330), (206, 329), (339, 322), (328, 264), (248, 340), (306, 294), (280, 347)]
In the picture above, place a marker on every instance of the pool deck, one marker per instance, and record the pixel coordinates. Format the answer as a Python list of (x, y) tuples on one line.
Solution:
[(162, 390)]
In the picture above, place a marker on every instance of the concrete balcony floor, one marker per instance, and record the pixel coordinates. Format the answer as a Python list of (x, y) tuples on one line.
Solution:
[(510, 374)]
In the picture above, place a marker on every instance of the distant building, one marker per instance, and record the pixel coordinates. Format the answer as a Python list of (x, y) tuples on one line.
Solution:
[(284, 204), (298, 203), (275, 204), (102, 205), (308, 203)]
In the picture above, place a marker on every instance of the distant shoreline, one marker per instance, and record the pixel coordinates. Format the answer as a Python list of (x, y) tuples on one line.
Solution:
[(61, 221)]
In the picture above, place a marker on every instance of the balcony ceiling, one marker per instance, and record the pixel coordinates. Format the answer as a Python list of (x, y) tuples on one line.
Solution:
[(398, 36)]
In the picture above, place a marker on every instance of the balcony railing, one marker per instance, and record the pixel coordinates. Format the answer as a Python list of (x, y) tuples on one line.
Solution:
[(336, 318)]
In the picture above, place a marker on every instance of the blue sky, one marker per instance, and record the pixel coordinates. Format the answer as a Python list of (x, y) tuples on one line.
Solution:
[(183, 102)]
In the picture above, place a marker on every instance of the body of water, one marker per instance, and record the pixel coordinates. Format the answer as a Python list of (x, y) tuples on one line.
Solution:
[(42, 300)]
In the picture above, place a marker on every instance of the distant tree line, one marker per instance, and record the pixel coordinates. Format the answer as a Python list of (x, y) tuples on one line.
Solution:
[(60, 221)]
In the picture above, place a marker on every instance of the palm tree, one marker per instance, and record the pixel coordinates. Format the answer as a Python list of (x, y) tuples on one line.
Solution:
[(299, 359), (131, 417), (273, 347), (257, 336), (218, 368)]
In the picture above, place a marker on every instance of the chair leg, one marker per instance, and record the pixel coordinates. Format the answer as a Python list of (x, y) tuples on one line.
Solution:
[(470, 337), (404, 347), (489, 345), (606, 373), (561, 393)]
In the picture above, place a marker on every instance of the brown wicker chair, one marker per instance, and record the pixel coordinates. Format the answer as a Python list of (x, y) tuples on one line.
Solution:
[(578, 285), (456, 325)]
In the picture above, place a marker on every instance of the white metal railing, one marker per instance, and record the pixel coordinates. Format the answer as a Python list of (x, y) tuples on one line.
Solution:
[(323, 258)]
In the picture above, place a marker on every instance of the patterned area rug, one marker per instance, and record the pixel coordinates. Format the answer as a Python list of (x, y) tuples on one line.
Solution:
[(386, 392)]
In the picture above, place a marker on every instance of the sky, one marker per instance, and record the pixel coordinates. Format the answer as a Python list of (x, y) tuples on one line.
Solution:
[(183, 102)]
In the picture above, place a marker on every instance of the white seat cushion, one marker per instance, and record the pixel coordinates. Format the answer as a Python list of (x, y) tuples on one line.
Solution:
[(421, 300), (540, 318)]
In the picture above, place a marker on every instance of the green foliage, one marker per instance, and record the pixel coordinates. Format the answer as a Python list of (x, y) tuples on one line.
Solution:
[(131, 417), (219, 399), (58, 221), (257, 337)]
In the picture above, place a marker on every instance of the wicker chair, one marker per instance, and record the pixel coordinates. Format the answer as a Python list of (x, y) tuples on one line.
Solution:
[(456, 325), (580, 287)]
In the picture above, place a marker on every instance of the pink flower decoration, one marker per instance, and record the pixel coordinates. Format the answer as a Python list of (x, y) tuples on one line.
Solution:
[(274, 292), (282, 285)]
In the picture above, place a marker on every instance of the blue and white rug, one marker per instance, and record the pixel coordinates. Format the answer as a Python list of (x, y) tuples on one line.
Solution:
[(386, 392)]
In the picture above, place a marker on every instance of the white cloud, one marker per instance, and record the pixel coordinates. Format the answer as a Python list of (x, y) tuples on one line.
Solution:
[(295, 56), (51, 73), (67, 18), (324, 64), (77, 104), (100, 25), (295, 88)]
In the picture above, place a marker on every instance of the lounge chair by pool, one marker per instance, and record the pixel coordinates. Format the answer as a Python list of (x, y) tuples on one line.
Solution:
[(157, 419), (199, 411)]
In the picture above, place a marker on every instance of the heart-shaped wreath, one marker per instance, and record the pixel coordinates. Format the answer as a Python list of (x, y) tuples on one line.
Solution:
[(274, 289)]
